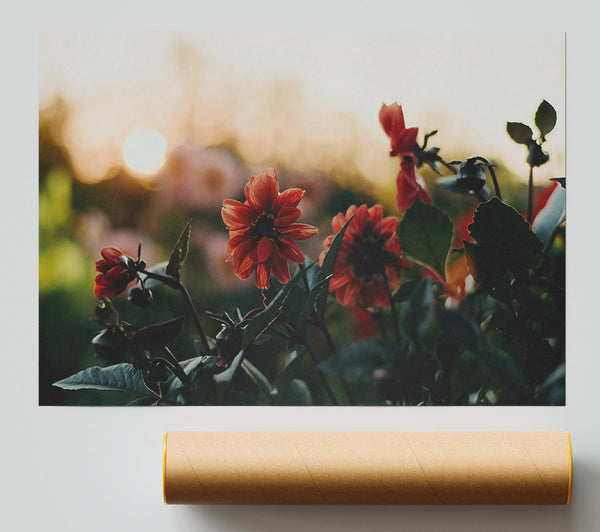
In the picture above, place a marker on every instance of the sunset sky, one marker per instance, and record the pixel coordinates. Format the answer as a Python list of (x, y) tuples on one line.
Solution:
[(286, 93)]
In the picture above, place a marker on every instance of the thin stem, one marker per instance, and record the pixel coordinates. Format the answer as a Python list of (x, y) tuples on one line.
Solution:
[(321, 375), (347, 391), (448, 166), (173, 363), (495, 180), (530, 196), (304, 278), (234, 378), (377, 314), (195, 318), (332, 348), (169, 281), (392, 306), (177, 284), (323, 328)]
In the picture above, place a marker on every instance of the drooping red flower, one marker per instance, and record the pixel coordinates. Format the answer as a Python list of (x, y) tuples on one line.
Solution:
[(116, 272), (370, 248), (403, 139), (408, 188), (262, 230)]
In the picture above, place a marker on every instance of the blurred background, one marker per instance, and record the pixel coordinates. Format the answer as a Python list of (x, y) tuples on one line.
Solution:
[(140, 132)]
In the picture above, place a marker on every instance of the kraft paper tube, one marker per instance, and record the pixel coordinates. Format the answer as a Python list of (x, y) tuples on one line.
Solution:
[(367, 467)]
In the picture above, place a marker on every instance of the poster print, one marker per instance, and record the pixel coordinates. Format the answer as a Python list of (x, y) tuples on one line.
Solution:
[(229, 219)]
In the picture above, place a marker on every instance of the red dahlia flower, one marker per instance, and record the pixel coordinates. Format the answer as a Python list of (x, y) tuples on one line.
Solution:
[(370, 249), (263, 228), (403, 140), (116, 272)]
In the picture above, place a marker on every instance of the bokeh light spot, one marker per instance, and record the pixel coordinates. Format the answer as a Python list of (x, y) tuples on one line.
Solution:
[(144, 150)]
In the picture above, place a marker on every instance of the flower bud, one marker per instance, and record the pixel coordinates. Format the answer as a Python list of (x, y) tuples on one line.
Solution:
[(470, 175), (141, 297), (536, 157), (111, 345), (229, 341)]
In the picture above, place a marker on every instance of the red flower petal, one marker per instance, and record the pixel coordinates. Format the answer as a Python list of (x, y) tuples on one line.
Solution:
[(111, 254), (237, 215), (388, 227), (245, 267), (264, 189), (288, 198), (262, 276), (338, 222), (404, 144), (375, 213), (237, 240), (299, 231), (242, 251), (289, 250), (281, 270), (350, 295), (391, 118), (264, 249), (287, 216)]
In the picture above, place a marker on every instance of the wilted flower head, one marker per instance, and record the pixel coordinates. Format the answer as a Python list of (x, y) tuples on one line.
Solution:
[(403, 139), (370, 252), (408, 187), (116, 269), (262, 230)]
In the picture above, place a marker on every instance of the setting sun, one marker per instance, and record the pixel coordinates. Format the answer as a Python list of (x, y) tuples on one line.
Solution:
[(144, 150)]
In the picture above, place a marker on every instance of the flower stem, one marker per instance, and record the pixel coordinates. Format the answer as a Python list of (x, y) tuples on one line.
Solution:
[(392, 306), (530, 196), (332, 348), (495, 180), (195, 318), (321, 375), (178, 285), (234, 378), (173, 363), (323, 328), (304, 278)]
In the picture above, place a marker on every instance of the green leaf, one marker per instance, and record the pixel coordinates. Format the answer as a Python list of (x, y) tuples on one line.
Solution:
[(520, 133), (545, 118), (179, 252), (120, 378), (263, 320), (143, 401), (551, 215), (327, 269), (225, 376), (425, 235), (490, 272), (553, 388), (458, 330), (318, 290), (159, 334), (296, 394), (358, 361), (416, 311), (505, 235), (257, 376)]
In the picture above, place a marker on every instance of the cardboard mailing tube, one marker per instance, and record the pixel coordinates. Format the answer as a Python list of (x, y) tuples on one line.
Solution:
[(367, 467)]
